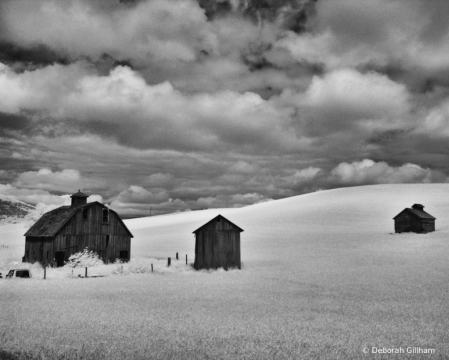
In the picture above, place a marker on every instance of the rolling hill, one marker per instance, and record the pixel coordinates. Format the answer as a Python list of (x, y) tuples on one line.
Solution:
[(323, 276)]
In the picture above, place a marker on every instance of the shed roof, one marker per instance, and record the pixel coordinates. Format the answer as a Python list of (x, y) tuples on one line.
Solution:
[(216, 217), (419, 213), (51, 222)]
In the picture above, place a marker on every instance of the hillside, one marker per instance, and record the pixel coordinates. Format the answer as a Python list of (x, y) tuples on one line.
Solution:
[(12, 210), (323, 276)]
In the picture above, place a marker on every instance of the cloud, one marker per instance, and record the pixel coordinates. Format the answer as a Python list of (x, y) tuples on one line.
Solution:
[(146, 115), (137, 201), (436, 121), (162, 180), (31, 196), (39, 196), (407, 39), (369, 172), (167, 41), (348, 93), (138, 195), (346, 99), (365, 172), (46, 179), (164, 30)]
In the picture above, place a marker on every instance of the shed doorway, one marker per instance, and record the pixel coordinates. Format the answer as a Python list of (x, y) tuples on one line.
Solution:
[(59, 258)]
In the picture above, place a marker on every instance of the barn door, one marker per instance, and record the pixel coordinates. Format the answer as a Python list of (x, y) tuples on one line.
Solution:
[(59, 258)]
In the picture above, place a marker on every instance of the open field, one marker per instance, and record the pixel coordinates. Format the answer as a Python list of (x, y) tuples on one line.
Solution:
[(322, 277)]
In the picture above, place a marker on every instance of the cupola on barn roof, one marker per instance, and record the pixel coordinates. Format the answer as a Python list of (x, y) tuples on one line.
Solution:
[(79, 199), (79, 194)]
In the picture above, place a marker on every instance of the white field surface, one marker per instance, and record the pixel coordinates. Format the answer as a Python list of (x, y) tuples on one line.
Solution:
[(323, 276)]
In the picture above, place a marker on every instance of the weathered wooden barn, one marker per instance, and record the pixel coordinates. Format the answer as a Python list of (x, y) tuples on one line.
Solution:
[(414, 219), (217, 244), (67, 230)]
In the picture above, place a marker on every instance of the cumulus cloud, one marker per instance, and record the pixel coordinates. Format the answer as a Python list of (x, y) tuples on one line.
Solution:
[(369, 172), (156, 115), (39, 196), (46, 179), (161, 29), (162, 180), (346, 99), (365, 172), (357, 95), (137, 201), (137, 194), (408, 38)]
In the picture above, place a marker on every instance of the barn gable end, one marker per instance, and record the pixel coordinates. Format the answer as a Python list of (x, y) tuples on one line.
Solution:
[(217, 244), (69, 229)]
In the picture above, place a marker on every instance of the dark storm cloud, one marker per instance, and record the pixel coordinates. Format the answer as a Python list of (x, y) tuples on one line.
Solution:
[(14, 121), (23, 58)]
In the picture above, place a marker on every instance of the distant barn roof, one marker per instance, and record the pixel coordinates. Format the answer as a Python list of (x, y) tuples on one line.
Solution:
[(216, 217), (419, 213), (51, 222)]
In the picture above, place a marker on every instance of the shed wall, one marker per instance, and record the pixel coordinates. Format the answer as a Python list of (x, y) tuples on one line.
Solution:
[(407, 223)]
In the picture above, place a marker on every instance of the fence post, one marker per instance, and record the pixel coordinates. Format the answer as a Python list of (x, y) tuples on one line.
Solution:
[(177, 256), (186, 259), (169, 262), (85, 275), (151, 267)]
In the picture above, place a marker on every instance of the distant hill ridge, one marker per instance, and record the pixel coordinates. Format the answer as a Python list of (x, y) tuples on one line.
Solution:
[(12, 210)]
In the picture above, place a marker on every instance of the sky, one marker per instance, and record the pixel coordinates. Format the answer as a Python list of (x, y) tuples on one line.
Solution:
[(155, 106)]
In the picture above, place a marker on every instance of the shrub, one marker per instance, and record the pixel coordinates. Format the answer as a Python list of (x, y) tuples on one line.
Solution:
[(84, 258)]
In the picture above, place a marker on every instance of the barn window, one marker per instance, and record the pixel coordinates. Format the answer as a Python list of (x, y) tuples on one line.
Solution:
[(107, 240), (123, 254), (218, 220), (85, 214), (105, 215)]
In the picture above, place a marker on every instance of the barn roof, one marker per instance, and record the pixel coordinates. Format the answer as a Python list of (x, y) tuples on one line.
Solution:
[(216, 217), (51, 222), (419, 213)]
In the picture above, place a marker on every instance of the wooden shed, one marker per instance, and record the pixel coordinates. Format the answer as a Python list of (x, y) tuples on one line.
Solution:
[(414, 219), (217, 244), (67, 230)]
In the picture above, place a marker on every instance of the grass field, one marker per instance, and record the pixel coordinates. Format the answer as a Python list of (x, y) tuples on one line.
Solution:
[(323, 277)]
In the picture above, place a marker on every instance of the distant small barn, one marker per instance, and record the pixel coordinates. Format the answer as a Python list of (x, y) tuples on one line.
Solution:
[(67, 230), (414, 219), (217, 245)]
